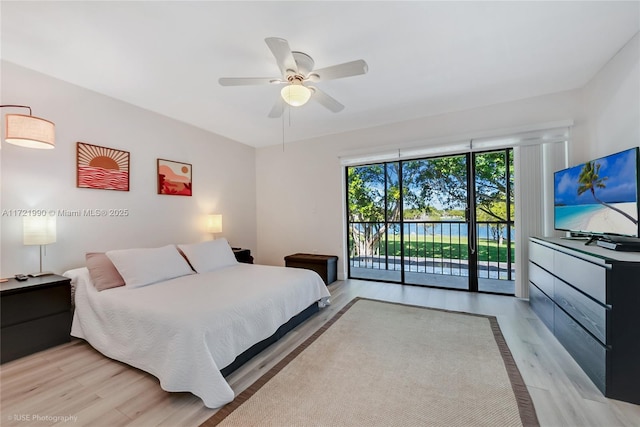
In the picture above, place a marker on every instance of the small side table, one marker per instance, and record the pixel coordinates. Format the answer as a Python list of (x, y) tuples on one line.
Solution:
[(243, 255), (325, 265), (34, 315)]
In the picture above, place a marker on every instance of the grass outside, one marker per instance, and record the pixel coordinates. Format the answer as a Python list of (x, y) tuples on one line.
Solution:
[(433, 246)]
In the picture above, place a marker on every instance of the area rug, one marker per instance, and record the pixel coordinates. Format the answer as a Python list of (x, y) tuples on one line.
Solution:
[(385, 364)]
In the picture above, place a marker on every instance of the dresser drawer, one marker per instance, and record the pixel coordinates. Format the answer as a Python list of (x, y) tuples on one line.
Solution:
[(587, 351), (28, 337), (591, 315), (542, 279), (591, 278), (541, 305), (541, 255), (34, 303)]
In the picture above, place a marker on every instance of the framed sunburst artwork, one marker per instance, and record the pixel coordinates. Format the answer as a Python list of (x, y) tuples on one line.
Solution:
[(101, 167), (174, 178)]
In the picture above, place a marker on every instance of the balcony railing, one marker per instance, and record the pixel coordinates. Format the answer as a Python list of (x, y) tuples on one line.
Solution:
[(433, 247)]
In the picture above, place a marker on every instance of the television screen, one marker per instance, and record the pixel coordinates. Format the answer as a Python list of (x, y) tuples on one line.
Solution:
[(600, 196)]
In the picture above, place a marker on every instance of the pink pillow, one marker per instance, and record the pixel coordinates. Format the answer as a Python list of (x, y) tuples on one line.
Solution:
[(102, 271)]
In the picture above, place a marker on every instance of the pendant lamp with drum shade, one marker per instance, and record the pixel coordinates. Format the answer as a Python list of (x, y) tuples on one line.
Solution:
[(28, 130)]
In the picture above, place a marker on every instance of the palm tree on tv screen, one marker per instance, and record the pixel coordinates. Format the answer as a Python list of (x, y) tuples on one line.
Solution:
[(590, 179)]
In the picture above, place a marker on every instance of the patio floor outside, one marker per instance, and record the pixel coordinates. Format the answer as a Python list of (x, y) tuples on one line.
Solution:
[(443, 273)]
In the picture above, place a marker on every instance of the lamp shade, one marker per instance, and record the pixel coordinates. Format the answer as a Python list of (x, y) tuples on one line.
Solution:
[(30, 131), (214, 223), (295, 94), (39, 230)]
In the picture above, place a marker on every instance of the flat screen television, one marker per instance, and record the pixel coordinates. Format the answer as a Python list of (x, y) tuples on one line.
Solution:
[(599, 197)]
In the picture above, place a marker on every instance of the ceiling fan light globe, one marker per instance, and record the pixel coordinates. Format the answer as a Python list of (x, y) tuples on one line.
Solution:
[(295, 94)]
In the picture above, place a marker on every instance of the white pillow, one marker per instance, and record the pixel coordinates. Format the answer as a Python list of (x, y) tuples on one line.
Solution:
[(210, 255), (144, 266)]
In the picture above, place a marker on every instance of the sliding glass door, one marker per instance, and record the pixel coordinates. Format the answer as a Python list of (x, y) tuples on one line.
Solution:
[(435, 222), (494, 219), (374, 226), (444, 222)]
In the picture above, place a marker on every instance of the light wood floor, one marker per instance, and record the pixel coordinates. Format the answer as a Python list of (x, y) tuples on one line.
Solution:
[(73, 380)]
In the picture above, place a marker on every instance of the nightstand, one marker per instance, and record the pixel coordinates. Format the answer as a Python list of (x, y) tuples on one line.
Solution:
[(34, 315), (243, 255)]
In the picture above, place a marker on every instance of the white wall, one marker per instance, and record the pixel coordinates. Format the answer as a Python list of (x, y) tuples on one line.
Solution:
[(299, 201), (612, 104), (223, 177)]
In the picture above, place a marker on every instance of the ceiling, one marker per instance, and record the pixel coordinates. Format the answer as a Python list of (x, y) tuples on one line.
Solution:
[(425, 58)]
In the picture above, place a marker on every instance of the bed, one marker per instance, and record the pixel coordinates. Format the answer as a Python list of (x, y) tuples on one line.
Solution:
[(185, 330)]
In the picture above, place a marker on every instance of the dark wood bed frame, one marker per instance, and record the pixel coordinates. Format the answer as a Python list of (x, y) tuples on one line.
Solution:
[(252, 351)]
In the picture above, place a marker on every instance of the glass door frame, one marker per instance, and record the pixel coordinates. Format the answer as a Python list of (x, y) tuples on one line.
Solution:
[(472, 235), (470, 219)]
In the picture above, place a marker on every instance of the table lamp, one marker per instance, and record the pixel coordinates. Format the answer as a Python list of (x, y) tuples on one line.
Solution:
[(39, 230)]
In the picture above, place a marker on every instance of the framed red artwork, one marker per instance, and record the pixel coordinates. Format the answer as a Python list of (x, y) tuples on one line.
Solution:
[(101, 167), (174, 178)]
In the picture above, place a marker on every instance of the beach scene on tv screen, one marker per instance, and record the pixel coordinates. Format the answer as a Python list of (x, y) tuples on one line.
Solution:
[(599, 196)]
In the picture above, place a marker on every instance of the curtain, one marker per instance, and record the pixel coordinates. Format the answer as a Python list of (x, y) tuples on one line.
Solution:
[(533, 169)]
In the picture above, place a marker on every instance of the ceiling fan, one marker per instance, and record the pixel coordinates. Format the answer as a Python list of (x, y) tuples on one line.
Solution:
[(297, 72)]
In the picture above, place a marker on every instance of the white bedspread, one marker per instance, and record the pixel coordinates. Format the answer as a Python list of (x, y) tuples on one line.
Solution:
[(184, 330)]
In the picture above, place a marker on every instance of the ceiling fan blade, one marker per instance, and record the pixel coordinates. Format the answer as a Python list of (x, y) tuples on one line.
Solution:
[(325, 100), (348, 69), (277, 109), (248, 81), (281, 50)]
